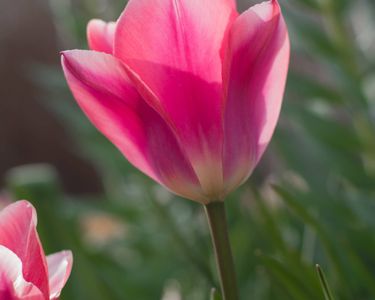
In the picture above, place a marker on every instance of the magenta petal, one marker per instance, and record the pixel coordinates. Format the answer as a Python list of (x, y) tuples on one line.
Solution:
[(105, 93), (100, 35), (59, 268), (18, 234), (185, 35), (174, 48), (254, 76)]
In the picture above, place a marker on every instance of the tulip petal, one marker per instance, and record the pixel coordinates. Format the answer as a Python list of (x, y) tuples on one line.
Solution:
[(13, 286), (104, 92), (18, 234), (185, 35), (100, 35), (59, 268), (254, 76), (175, 49)]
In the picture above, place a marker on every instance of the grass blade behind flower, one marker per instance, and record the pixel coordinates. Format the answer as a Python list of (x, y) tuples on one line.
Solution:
[(325, 287)]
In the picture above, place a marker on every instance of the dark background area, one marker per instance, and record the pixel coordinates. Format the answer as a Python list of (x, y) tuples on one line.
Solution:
[(30, 133)]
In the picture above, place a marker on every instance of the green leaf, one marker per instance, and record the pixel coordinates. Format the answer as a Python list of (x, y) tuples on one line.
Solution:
[(323, 281), (294, 285), (310, 88), (312, 4)]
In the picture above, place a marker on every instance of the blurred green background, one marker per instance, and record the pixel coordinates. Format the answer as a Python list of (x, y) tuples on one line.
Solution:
[(311, 199)]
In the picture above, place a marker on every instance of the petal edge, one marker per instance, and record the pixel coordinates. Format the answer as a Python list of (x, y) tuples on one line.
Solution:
[(255, 73), (59, 269)]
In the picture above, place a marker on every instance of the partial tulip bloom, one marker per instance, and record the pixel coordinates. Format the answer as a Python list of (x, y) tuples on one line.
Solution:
[(25, 272), (188, 90)]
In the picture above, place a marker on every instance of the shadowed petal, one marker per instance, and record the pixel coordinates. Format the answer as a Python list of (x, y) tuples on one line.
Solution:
[(18, 234), (254, 77), (105, 93), (100, 35), (59, 268), (175, 48)]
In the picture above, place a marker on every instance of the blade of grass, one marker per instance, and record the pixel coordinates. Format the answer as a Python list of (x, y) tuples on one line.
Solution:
[(323, 282), (283, 275), (335, 252)]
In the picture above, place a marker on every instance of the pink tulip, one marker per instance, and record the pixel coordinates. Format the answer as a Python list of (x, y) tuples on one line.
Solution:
[(25, 272), (188, 90)]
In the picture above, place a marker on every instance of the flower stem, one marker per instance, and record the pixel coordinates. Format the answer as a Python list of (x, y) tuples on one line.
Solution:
[(219, 232)]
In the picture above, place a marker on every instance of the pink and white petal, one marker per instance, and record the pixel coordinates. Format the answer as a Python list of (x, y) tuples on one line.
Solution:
[(59, 268), (13, 286), (18, 234), (254, 77), (101, 35), (103, 90), (175, 47)]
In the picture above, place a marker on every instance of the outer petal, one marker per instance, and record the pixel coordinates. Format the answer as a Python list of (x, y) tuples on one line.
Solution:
[(103, 90), (18, 234), (59, 268), (254, 74), (100, 35), (13, 286), (174, 48)]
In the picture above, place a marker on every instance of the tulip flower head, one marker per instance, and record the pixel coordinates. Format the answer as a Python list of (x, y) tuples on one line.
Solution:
[(25, 272), (188, 90)]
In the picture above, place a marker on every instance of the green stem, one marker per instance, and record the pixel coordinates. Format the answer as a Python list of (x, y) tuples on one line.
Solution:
[(219, 232)]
